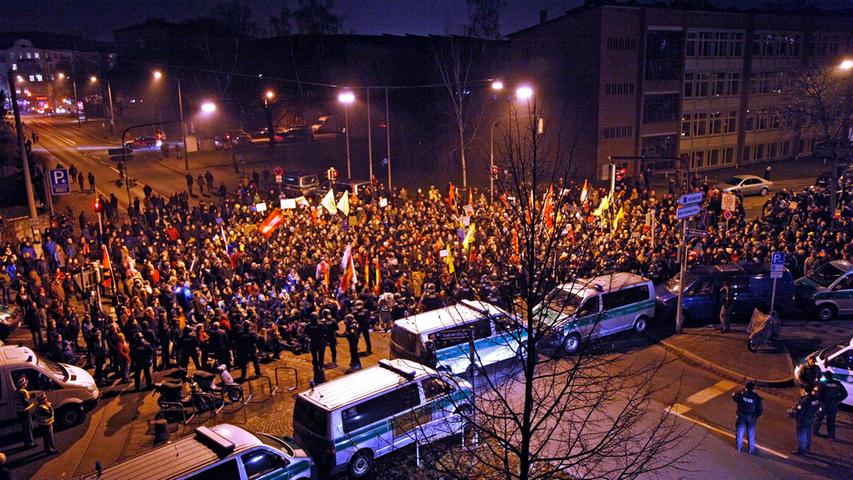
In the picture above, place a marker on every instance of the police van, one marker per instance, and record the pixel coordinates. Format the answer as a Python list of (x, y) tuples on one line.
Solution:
[(441, 338), (348, 422), (837, 359), (588, 309), (828, 290), (217, 453)]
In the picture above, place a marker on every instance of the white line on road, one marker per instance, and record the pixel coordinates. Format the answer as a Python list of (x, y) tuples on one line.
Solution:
[(679, 410), (713, 391)]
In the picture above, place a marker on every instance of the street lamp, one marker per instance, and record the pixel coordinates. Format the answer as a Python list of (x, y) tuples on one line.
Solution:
[(157, 76), (208, 107), (93, 79), (347, 98), (524, 92), (62, 76), (269, 95), (846, 65), (497, 85)]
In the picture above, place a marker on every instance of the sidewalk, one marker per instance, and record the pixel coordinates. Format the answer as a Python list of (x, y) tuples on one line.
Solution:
[(727, 355)]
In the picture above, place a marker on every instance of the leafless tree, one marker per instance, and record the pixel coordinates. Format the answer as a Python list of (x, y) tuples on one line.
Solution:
[(588, 414)]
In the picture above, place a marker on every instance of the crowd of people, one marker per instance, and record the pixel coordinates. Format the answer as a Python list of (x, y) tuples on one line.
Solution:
[(199, 283)]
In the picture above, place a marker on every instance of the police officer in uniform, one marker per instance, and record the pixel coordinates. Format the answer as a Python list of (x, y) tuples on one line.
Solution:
[(141, 356), (44, 419), (330, 323), (829, 393), (25, 404), (750, 406), (351, 334), (804, 412), (316, 334), (725, 308), (362, 318)]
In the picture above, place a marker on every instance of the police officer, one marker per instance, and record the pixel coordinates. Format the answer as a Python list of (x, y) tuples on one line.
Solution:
[(141, 356), (804, 412), (725, 308), (247, 344), (750, 406), (316, 334), (330, 323), (351, 334), (362, 318), (24, 405), (44, 419), (829, 393)]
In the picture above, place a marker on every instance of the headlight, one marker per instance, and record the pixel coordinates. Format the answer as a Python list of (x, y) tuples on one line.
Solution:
[(92, 389)]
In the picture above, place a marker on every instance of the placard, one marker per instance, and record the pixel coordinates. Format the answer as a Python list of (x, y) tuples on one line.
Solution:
[(261, 207), (288, 203), (442, 253), (383, 202)]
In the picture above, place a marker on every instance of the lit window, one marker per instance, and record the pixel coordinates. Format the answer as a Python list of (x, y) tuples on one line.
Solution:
[(36, 55), (38, 77), (14, 66), (29, 54), (32, 78)]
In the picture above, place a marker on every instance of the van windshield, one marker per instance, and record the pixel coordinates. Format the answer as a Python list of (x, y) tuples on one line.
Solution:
[(311, 417), (53, 367), (563, 302), (825, 275), (674, 286)]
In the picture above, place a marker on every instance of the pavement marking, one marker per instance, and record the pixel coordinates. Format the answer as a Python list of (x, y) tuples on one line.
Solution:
[(680, 410), (713, 391)]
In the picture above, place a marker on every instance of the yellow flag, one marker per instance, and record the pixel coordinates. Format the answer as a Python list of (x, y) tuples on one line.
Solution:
[(469, 237), (328, 202), (449, 259), (343, 203), (619, 216)]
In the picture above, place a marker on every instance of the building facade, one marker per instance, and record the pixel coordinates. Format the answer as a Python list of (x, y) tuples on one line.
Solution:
[(664, 88)]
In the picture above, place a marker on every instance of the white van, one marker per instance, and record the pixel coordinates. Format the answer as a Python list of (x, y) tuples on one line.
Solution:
[(441, 338), (70, 389), (222, 452), (348, 422), (595, 308)]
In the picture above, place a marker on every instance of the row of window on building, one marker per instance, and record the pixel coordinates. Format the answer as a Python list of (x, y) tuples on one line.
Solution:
[(725, 156), (626, 88), (700, 124), (617, 132), (621, 43), (713, 84), (764, 44)]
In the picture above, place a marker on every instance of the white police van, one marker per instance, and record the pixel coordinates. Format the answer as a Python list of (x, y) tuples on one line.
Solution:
[(828, 290), (217, 453), (441, 338), (837, 359), (348, 422), (587, 309)]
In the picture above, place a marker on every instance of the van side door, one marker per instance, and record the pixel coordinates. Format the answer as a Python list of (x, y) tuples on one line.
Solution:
[(263, 464), (410, 419), (439, 402), (588, 317), (700, 299), (842, 293)]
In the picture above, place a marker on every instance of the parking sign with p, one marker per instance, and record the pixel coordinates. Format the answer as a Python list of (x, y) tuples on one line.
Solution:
[(60, 183)]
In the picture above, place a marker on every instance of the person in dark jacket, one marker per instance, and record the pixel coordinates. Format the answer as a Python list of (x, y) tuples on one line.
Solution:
[(725, 307), (750, 406), (804, 412), (164, 337), (362, 318), (808, 374), (317, 341), (43, 416), (351, 334), (141, 355), (98, 354), (219, 345), (830, 393), (247, 345), (189, 346), (330, 324)]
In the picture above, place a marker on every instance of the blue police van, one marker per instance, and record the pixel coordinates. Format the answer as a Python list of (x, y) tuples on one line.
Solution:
[(750, 283)]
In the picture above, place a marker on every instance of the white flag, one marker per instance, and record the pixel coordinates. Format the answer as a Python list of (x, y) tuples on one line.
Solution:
[(329, 202), (343, 203)]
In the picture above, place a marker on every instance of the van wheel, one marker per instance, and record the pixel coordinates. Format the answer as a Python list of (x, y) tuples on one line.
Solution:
[(572, 343), (826, 312), (360, 464), (69, 416), (641, 324)]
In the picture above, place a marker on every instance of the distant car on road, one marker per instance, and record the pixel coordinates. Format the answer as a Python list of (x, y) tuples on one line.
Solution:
[(9, 321), (837, 359), (298, 134), (143, 141), (300, 183), (263, 136), (746, 185), (238, 139)]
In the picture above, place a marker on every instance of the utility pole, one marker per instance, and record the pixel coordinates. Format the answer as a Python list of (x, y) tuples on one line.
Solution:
[(369, 139), (388, 141), (19, 128), (76, 105), (682, 265), (112, 112), (183, 127)]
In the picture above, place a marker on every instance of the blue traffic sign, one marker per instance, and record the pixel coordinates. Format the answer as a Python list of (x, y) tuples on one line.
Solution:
[(690, 198), (687, 212), (60, 183), (777, 259)]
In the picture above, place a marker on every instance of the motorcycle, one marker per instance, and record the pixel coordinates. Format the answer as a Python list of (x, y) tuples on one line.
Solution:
[(763, 328)]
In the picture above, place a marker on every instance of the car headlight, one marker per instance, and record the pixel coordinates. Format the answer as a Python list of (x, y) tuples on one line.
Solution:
[(92, 389)]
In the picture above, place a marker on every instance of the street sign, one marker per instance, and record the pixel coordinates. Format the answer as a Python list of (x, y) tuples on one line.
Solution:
[(687, 212), (81, 112), (727, 215), (278, 179), (729, 202), (777, 264), (690, 198), (696, 232), (60, 184), (277, 171)]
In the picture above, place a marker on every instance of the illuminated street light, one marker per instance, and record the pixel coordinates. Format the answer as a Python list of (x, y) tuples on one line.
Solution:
[(61, 76), (157, 74), (208, 107), (497, 85), (846, 65), (93, 79), (346, 98), (20, 79), (270, 94), (524, 92)]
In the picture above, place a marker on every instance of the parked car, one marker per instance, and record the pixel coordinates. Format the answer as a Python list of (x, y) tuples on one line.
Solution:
[(751, 288), (238, 138), (746, 185), (143, 141), (837, 359), (222, 452), (828, 291), (354, 187), (844, 171), (263, 136), (71, 390), (10, 318), (298, 183), (298, 134)]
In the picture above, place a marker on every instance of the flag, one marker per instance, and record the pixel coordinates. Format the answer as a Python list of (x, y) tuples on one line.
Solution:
[(516, 250), (366, 272), (107, 267), (619, 216), (603, 206), (346, 258), (449, 259), (451, 196), (469, 237), (378, 287), (585, 191), (328, 202), (470, 196), (274, 220), (343, 203), (548, 209), (349, 277)]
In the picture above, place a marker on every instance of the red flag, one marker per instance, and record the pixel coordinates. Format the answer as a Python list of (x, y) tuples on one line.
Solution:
[(451, 196), (548, 209), (378, 287), (107, 267), (274, 220), (470, 196)]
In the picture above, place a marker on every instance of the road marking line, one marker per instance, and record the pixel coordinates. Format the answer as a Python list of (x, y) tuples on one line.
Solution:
[(679, 411), (713, 391)]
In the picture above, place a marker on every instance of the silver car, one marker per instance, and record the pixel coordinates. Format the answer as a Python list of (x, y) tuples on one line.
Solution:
[(746, 185)]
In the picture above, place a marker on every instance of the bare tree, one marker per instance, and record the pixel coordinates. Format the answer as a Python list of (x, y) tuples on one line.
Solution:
[(307, 17), (588, 414), (818, 98), (484, 18)]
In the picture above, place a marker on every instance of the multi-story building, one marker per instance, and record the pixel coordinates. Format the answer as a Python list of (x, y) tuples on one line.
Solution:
[(37, 60), (661, 88)]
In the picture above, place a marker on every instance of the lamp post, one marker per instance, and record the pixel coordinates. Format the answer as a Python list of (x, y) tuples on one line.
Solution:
[(388, 141), (62, 76), (94, 79), (369, 140), (347, 98), (523, 92), (19, 128), (269, 95), (157, 74)]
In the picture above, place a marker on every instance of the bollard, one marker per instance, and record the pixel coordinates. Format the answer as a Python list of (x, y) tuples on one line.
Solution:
[(161, 430)]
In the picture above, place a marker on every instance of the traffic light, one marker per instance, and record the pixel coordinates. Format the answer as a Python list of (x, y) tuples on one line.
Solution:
[(97, 205), (332, 174), (495, 171), (620, 173)]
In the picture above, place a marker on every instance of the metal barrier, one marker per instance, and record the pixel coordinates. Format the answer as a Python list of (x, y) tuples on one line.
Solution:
[(252, 389), (278, 383)]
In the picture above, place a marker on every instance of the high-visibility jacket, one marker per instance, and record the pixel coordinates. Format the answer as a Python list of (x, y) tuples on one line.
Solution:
[(44, 415), (24, 401)]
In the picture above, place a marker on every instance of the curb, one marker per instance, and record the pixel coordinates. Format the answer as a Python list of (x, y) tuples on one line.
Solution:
[(731, 374)]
